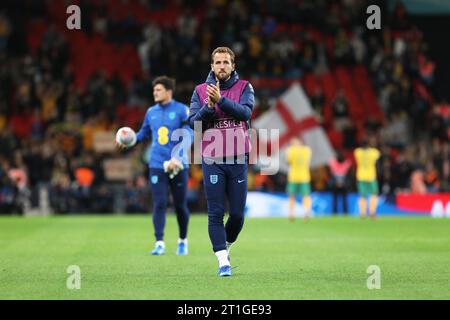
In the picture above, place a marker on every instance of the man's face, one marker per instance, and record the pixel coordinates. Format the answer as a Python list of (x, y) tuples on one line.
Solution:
[(222, 66), (160, 94)]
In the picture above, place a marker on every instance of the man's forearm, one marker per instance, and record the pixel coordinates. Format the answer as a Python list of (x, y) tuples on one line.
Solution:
[(238, 111), (203, 114)]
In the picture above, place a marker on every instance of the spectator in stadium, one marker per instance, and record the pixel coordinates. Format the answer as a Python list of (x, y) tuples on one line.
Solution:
[(18, 175), (320, 176), (386, 177), (5, 31), (342, 48), (340, 110), (445, 176), (61, 198), (441, 161), (437, 123), (417, 182), (431, 178), (84, 176), (401, 172), (426, 68), (340, 168), (396, 131), (8, 195), (317, 102)]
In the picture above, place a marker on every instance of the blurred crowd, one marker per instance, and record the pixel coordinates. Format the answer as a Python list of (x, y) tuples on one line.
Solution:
[(48, 123)]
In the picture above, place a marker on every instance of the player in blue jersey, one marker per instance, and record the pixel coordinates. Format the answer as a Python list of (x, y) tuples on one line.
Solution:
[(166, 123)]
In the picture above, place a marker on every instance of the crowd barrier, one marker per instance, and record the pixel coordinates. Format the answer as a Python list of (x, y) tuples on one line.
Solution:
[(263, 204)]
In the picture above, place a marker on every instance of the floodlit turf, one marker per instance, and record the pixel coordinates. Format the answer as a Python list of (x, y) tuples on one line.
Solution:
[(326, 258)]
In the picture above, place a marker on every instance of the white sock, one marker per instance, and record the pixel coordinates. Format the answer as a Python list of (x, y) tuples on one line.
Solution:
[(229, 244), (160, 243), (222, 256), (185, 241)]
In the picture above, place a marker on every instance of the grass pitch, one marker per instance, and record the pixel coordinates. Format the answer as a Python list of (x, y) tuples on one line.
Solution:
[(326, 258)]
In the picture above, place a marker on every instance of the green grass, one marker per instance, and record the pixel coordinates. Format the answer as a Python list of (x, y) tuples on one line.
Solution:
[(326, 258)]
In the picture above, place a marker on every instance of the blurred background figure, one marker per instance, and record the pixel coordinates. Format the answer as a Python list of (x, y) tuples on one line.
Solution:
[(366, 175), (340, 111), (340, 168), (418, 182), (298, 157)]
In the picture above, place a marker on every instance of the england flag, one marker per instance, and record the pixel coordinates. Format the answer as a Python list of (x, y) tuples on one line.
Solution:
[(293, 116)]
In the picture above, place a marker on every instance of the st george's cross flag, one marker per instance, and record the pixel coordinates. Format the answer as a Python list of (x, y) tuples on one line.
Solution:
[(294, 116)]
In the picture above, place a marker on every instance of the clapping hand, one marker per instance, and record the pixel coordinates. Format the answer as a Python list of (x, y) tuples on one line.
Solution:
[(213, 94)]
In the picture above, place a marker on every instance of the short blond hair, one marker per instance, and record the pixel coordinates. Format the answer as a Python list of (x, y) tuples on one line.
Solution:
[(223, 50)]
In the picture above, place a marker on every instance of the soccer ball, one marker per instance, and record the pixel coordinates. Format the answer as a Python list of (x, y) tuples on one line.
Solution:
[(126, 136)]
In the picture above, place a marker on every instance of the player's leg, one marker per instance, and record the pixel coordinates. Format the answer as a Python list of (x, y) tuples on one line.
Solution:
[(344, 199), (335, 199), (373, 200), (291, 191), (158, 183), (214, 184), (362, 206), (291, 214), (362, 198), (236, 190), (305, 190), (178, 187)]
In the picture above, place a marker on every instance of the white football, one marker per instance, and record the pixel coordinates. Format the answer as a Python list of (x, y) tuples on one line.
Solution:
[(126, 136)]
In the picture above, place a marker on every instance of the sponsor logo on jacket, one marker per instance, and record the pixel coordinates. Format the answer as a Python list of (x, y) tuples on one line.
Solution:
[(226, 123)]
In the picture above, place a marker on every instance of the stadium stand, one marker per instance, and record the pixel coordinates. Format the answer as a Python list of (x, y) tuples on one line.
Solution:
[(60, 88)]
